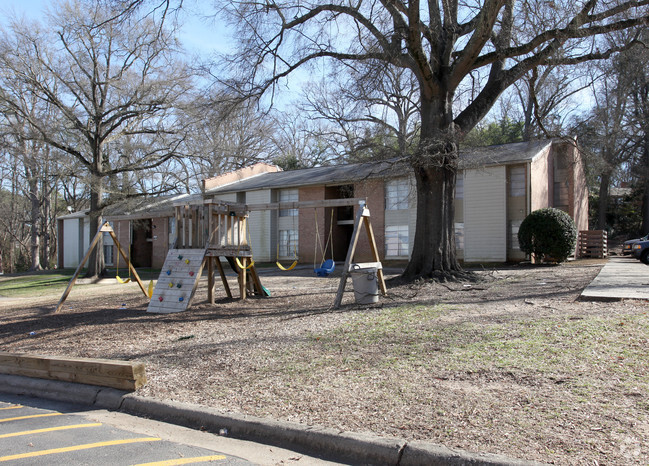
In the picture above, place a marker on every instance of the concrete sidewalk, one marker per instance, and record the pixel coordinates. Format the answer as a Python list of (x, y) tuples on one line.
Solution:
[(623, 277), (328, 444)]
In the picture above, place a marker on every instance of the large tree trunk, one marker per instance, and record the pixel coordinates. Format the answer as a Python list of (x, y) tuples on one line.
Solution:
[(35, 220), (435, 167), (96, 259), (602, 206)]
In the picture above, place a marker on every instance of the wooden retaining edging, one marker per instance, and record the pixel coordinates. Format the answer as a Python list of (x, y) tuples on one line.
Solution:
[(122, 375)]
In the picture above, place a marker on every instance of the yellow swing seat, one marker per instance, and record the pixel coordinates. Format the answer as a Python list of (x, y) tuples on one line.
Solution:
[(122, 280), (286, 269), (252, 263)]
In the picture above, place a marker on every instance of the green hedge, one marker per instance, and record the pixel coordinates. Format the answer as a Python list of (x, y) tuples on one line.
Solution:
[(548, 234)]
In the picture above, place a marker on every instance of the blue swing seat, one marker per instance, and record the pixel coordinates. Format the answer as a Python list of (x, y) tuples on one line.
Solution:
[(325, 268)]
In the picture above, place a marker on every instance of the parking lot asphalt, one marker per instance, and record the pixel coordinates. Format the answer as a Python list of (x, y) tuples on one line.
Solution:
[(622, 277), (36, 436)]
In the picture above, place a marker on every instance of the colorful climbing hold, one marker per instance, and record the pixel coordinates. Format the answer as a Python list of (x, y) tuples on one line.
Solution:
[(179, 285), (186, 261), (181, 299), (180, 257), (160, 298), (171, 285), (191, 273), (169, 272)]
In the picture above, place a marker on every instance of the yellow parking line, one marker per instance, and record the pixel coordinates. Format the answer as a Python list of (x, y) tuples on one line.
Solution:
[(77, 447), (50, 429), (198, 459), (12, 407), (29, 417)]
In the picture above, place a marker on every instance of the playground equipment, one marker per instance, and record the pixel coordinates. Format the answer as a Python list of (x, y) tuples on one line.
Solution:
[(208, 232), (117, 277), (205, 234), (105, 228), (214, 230), (326, 265)]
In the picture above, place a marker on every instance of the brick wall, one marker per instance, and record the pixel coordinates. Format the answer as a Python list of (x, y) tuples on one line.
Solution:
[(160, 240), (122, 229), (374, 191), (306, 221)]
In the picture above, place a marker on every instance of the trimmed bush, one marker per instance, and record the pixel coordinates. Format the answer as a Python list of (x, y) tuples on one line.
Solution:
[(548, 234)]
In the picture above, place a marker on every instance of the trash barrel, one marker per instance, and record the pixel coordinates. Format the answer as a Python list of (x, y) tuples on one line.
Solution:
[(366, 285)]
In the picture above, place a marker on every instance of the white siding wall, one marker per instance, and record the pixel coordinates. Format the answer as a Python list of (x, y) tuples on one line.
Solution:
[(71, 242), (260, 226), (405, 216), (76, 238), (485, 219)]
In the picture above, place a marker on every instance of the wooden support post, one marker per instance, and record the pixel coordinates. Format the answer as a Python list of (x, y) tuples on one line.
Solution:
[(350, 255), (375, 253), (362, 218), (210, 279), (223, 277), (257, 283), (131, 268), (242, 278), (198, 279), (80, 266)]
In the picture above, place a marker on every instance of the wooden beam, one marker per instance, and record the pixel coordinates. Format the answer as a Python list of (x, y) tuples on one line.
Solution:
[(375, 253), (128, 261), (223, 278), (73, 280), (350, 255), (123, 375)]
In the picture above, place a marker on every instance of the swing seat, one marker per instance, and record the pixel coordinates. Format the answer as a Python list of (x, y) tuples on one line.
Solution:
[(122, 280), (249, 266), (325, 268), (286, 269)]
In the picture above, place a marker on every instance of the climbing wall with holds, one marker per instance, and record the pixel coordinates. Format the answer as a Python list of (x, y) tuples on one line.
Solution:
[(178, 281)]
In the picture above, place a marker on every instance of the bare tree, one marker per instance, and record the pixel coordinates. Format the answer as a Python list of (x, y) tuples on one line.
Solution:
[(114, 84), (545, 95), (225, 135), (372, 113), (489, 44)]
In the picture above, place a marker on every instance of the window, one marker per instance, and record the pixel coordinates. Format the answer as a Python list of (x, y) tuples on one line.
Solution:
[(517, 181), (108, 254), (513, 234), (396, 240), (172, 232), (108, 246), (396, 194), (288, 240), (459, 236), (459, 186), (288, 195)]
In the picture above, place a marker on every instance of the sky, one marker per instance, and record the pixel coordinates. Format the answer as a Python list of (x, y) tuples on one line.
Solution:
[(198, 34)]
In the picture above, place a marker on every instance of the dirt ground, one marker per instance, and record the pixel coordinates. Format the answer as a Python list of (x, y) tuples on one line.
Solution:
[(511, 363)]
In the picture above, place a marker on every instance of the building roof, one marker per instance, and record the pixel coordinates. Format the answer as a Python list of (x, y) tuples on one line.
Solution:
[(504, 154), (337, 174), (141, 207)]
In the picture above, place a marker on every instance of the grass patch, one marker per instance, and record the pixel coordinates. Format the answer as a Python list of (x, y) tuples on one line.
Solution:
[(579, 350), (35, 285)]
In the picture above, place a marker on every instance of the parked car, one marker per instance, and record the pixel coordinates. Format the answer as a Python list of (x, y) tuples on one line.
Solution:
[(627, 247), (641, 251)]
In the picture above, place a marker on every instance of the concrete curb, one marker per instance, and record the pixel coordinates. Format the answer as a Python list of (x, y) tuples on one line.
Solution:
[(355, 448)]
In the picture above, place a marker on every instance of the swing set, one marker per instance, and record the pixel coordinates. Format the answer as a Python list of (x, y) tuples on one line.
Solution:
[(106, 228), (325, 266)]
